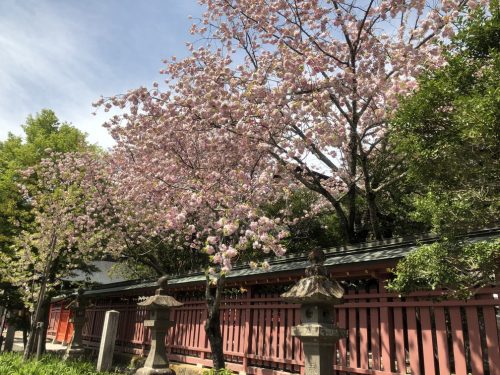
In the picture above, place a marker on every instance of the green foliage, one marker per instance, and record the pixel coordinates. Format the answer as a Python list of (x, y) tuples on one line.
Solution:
[(449, 132), (222, 371), (44, 133), (455, 266), (307, 230), (12, 364)]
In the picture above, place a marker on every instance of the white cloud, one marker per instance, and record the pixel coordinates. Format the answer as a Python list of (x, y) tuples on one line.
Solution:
[(63, 55), (46, 61)]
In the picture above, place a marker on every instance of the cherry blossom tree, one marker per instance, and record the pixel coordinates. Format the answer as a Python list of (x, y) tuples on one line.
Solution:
[(202, 194), (283, 93), (306, 86), (62, 236)]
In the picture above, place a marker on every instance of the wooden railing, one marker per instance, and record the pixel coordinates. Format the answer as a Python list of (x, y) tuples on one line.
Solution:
[(387, 334)]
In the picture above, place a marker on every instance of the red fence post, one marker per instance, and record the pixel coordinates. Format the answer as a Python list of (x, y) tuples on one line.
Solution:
[(246, 332)]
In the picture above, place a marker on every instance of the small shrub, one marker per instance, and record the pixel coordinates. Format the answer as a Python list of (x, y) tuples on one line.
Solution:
[(12, 364), (224, 371)]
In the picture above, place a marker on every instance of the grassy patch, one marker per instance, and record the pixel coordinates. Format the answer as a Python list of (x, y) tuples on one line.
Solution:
[(12, 364)]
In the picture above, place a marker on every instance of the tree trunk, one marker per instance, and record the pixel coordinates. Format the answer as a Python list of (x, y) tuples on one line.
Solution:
[(30, 345), (214, 335), (372, 209), (212, 326), (44, 317)]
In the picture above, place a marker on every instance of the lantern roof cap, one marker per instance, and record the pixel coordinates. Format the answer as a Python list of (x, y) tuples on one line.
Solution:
[(160, 300)]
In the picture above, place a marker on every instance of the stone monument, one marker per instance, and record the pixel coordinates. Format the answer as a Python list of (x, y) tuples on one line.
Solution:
[(317, 295), (75, 348), (159, 306), (108, 338)]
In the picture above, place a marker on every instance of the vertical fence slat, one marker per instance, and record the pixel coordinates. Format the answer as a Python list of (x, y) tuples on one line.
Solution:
[(363, 338), (248, 336), (399, 340), (458, 341), (296, 341), (375, 338), (225, 329), (427, 343), (289, 338), (261, 332), (267, 338), (442, 341), (352, 331), (342, 317), (274, 337), (476, 354), (231, 321), (492, 345), (282, 336), (385, 338), (411, 318)]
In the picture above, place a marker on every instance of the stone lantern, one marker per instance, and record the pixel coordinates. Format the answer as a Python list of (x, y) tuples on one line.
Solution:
[(159, 306), (317, 295), (77, 307)]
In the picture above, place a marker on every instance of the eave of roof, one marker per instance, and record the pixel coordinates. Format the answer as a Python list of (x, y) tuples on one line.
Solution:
[(367, 253)]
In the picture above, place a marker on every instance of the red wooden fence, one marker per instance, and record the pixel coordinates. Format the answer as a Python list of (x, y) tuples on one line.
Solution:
[(387, 334)]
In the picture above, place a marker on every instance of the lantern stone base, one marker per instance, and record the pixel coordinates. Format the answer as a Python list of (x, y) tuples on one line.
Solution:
[(74, 354), (318, 340)]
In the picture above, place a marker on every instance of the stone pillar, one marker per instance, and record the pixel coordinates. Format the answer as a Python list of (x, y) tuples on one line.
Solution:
[(75, 348), (39, 338), (159, 306), (2, 324), (108, 339), (317, 295), (9, 338)]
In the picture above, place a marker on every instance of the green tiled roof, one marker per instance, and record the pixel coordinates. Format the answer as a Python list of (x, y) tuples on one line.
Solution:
[(359, 254)]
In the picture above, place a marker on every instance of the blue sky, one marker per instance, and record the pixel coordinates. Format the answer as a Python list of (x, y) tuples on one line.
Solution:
[(64, 54)]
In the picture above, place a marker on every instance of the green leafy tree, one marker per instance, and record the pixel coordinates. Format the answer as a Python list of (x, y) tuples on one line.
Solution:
[(449, 130), (43, 135)]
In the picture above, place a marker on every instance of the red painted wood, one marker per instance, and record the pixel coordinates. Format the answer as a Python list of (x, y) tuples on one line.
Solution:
[(248, 334), (375, 334), (63, 326), (363, 338), (250, 318), (267, 334), (236, 330), (399, 341), (203, 334), (350, 370), (427, 344), (492, 345), (385, 338), (342, 317), (458, 341), (225, 327), (352, 332), (411, 320), (289, 339), (442, 341), (296, 342), (476, 353), (282, 343), (274, 335), (261, 332), (192, 327)]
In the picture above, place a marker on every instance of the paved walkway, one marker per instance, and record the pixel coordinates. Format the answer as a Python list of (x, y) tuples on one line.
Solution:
[(18, 344)]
